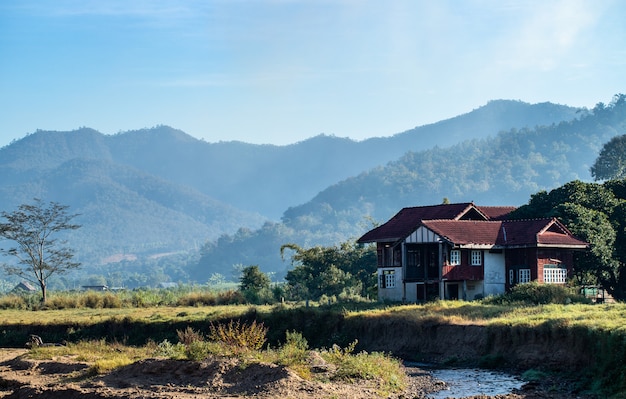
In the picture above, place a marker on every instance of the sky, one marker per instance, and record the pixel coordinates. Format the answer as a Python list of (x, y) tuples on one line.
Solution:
[(281, 71)]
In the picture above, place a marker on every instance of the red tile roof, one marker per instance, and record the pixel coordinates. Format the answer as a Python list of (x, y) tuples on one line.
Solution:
[(509, 233), (464, 232), (496, 212), (490, 229), (408, 219)]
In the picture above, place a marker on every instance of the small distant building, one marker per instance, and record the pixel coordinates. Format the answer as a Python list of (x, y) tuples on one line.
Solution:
[(24, 286), (95, 288), (168, 285)]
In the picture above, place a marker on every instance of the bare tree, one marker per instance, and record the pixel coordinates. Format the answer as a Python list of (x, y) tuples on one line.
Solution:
[(33, 229)]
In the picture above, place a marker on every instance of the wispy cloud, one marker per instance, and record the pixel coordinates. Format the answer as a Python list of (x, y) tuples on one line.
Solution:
[(548, 31)]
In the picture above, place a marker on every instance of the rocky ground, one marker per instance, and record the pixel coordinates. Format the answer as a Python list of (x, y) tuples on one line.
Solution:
[(65, 377)]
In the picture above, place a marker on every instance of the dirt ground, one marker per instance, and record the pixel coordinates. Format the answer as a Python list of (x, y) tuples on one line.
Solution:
[(64, 377)]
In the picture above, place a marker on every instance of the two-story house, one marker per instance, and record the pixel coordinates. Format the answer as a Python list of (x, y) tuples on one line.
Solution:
[(465, 251)]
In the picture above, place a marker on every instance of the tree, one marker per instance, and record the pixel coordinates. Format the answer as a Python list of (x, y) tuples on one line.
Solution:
[(40, 254), (611, 163), (255, 285), (597, 214), (345, 269)]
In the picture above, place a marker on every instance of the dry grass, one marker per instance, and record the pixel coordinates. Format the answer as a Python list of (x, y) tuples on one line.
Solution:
[(101, 356)]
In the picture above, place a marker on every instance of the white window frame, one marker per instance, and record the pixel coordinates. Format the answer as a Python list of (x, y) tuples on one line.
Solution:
[(524, 276), (476, 258), (455, 257), (511, 277), (553, 274), (387, 279)]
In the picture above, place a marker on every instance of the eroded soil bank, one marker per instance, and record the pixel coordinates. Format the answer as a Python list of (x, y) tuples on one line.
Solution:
[(64, 378)]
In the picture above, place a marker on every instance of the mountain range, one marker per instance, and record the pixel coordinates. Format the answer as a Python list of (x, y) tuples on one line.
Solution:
[(147, 193)]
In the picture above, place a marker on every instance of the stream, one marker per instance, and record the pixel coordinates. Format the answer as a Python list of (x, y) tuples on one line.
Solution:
[(463, 382)]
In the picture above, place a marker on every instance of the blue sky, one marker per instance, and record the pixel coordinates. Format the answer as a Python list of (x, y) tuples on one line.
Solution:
[(280, 71)]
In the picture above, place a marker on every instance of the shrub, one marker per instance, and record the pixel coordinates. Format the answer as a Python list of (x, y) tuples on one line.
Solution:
[(169, 350), (374, 366), (93, 300), (238, 336), (534, 293), (188, 336), (197, 299), (294, 351), (13, 302)]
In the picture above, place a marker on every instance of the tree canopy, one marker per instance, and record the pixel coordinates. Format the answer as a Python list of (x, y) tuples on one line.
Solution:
[(597, 214), (347, 269), (611, 163)]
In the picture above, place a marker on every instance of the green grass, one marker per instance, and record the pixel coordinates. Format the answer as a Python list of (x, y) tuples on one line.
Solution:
[(596, 329)]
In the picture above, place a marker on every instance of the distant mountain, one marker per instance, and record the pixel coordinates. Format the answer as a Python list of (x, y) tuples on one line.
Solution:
[(267, 179), (501, 170), (153, 191)]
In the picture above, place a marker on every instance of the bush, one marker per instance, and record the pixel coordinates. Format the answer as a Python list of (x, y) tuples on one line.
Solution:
[(534, 293), (239, 337), (295, 350), (13, 302), (375, 366), (188, 336)]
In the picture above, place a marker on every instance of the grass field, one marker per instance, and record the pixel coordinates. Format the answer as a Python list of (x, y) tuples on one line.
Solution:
[(590, 339)]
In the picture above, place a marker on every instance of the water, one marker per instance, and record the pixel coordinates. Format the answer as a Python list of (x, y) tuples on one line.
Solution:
[(461, 383)]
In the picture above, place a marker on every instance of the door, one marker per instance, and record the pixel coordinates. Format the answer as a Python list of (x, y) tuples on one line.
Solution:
[(452, 291)]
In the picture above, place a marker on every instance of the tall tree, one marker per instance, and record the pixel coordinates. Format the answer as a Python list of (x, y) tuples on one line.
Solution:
[(255, 285), (611, 163), (40, 254), (596, 213), (348, 268)]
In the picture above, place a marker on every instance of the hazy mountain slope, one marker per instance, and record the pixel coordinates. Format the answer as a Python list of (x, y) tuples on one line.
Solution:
[(124, 210), (267, 179), (503, 170), (483, 122)]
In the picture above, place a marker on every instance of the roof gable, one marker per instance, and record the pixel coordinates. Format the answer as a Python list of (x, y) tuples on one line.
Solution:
[(508, 233), (408, 220)]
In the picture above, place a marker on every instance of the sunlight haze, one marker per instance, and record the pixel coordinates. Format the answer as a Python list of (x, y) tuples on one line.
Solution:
[(280, 72)]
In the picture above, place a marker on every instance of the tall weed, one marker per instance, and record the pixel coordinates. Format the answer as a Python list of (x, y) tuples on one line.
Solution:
[(238, 336)]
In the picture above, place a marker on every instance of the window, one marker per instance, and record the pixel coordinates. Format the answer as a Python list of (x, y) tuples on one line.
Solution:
[(387, 279), (477, 258), (511, 277), (553, 274), (455, 257), (524, 276)]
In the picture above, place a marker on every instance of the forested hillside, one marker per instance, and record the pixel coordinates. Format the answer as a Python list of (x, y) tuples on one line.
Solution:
[(267, 179), (502, 170), (146, 193)]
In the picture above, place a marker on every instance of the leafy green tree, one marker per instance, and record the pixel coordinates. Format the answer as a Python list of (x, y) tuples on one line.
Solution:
[(599, 262), (345, 269), (597, 214), (33, 228), (611, 163), (255, 285)]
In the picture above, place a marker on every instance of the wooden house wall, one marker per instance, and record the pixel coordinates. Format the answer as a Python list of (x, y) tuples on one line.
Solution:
[(547, 256)]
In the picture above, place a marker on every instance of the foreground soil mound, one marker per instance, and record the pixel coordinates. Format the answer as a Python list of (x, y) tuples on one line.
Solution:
[(67, 378)]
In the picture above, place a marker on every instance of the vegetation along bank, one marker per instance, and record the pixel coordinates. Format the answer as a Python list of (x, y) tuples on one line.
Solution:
[(580, 340)]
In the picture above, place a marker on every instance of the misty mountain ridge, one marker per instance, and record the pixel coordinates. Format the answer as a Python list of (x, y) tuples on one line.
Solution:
[(161, 190)]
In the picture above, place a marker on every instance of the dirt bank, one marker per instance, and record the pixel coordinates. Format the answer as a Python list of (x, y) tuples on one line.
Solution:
[(67, 378), (544, 347)]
